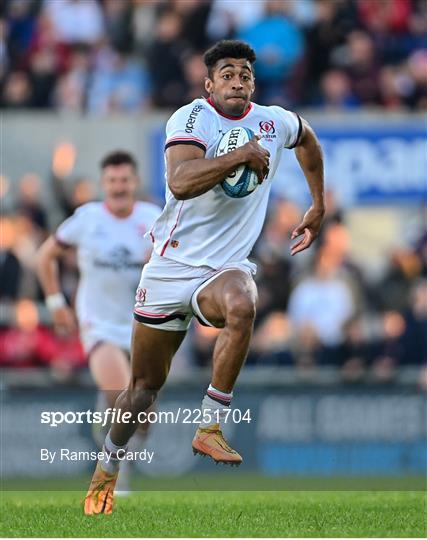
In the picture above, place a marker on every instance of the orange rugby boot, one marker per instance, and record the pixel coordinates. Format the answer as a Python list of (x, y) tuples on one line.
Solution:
[(210, 442), (99, 499)]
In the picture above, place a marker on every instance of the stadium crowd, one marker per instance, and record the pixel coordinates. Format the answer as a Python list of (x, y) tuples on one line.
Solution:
[(122, 56)]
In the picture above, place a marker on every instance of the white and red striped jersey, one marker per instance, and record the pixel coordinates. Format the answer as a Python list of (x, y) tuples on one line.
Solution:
[(214, 229)]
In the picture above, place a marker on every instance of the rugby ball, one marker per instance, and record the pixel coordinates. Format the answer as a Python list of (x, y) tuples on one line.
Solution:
[(243, 181)]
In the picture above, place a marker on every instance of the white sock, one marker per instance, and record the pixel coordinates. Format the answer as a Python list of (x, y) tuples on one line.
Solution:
[(215, 405), (123, 481), (109, 462), (221, 397)]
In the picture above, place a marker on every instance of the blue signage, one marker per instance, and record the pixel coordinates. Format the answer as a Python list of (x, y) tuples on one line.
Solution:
[(365, 163)]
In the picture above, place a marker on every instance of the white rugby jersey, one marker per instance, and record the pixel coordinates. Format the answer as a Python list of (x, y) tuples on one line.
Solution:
[(111, 252), (214, 229)]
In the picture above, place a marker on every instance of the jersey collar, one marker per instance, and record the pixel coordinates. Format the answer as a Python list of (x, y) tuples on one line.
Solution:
[(108, 209), (248, 110)]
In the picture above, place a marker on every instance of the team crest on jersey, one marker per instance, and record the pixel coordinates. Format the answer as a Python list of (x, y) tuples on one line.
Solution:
[(175, 243), (141, 295), (267, 129)]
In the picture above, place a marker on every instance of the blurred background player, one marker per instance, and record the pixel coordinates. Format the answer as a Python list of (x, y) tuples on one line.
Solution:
[(111, 248), (201, 243)]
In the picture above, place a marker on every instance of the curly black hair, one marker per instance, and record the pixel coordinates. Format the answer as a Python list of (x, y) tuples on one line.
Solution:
[(118, 157), (228, 48)]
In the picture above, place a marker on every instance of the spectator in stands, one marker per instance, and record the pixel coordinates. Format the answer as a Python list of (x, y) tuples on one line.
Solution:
[(272, 255), (391, 348), (21, 25), (404, 336), (336, 93), (405, 84), (43, 72), (418, 24), (380, 45), (119, 25), (72, 87), (119, 86), (333, 21), (417, 67), (271, 343), (73, 194), (29, 344), (225, 21), (321, 304), (167, 78), (29, 202), (28, 239), (194, 16), (388, 22), (392, 16), (145, 14), (392, 292), (45, 40), (395, 87), (76, 21), (7, 201), (4, 59), (362, 66), (421, 251), (279, 44), (83, 191), (303, 12), (195, 73), (335, 243), (26, 343), (17, 91), (10, 267), (415, 336), (356, 351), (69, 193)]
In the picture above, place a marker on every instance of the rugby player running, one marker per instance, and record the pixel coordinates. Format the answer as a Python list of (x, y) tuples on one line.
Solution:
[(202, 239), (111, 248)]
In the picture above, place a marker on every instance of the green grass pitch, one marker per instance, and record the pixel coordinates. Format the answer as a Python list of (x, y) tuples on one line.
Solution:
[(226, 514)]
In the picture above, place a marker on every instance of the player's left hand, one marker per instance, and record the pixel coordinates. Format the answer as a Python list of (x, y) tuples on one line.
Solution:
[(309, 227)]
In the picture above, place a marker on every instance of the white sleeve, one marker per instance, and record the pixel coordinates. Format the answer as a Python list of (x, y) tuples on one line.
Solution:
[(189, 125), (291, 127), (72, 230), (152, 213)]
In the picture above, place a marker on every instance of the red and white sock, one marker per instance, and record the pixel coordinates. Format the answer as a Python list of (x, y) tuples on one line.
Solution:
[(215, 405)]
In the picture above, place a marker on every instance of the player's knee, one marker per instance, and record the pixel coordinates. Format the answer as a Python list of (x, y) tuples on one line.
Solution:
[(240, 311)]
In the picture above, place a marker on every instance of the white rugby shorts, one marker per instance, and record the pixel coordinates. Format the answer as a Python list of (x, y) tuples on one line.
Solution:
[(166, 297), (92, 335)]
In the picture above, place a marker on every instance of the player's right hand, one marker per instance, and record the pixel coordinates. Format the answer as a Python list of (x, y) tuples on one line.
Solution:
[(64, 322), (257, 157)]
